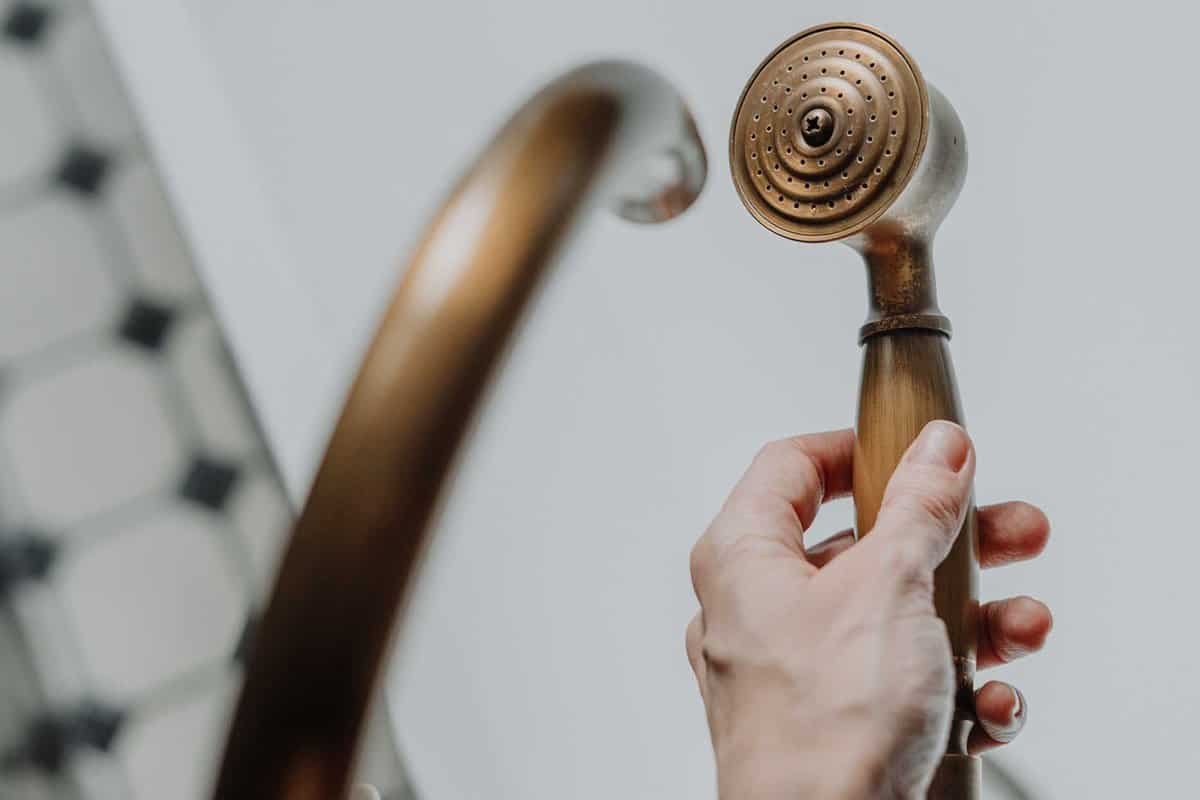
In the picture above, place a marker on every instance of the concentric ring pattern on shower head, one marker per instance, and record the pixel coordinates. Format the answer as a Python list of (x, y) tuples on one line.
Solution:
[(828, 132)]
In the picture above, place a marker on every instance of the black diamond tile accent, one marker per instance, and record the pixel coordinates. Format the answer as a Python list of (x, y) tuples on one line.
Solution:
[(12, 760), (27, 22), (209, 482), (25, 556), (47, 743), (53, 737), (96, 725), (241, 653), (83, 169), (146, 324)]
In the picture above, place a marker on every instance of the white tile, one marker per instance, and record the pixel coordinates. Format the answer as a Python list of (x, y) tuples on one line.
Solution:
[(98, 775), (91, 438), (55, 279), (206, 383), (17, 683), (51, 646), (174, 753), (160, 256), (263, 520), (152, 601), (29, 137), (81, 55)]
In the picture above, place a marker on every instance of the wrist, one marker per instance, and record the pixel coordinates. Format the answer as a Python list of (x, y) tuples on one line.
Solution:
[(821, 772)]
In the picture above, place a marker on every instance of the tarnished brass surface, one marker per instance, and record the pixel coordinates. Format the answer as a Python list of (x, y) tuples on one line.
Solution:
[(837, 136), (828, 132), (901, 292), (907, 381), (610, 132), (958, 778)]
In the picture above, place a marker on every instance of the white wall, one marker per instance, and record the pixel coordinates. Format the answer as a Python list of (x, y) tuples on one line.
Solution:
[(545, 658)]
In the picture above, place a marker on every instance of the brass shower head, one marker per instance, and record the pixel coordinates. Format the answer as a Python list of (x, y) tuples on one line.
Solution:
[(837, 132)]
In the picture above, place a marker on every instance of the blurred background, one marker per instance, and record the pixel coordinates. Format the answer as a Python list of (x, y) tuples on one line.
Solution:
[(140, 511), (186, 186)]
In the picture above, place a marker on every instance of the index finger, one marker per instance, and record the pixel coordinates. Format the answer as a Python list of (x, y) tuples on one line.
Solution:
[(780, 493)]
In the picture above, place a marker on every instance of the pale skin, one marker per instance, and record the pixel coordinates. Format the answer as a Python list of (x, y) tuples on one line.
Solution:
[(824, 671)]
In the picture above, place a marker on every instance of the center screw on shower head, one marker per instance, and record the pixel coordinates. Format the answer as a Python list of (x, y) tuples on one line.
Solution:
[(817, 127)]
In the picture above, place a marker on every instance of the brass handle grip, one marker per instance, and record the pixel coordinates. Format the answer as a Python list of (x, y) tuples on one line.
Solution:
[(908, 381)]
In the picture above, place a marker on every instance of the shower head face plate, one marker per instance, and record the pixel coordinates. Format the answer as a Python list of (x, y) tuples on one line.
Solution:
[(828, 132)]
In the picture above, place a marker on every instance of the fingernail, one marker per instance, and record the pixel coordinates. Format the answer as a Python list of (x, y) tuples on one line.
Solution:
[(941, 444), (1006, 733)]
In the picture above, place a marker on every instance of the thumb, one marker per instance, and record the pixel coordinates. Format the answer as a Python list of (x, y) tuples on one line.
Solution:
[(928, 496)]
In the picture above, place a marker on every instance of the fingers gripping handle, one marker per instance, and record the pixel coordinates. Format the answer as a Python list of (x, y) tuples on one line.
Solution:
[(908, 381)]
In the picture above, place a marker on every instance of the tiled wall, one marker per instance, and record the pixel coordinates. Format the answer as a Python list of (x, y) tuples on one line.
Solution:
[(140, 515)]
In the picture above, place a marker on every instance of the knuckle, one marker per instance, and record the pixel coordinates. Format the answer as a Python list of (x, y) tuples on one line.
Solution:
[(791, 457), (692, 636), (943, 506), (718, 567), (747, 547), (700, 562), (931, 496), (907, 561), (774, 452), (716, 655), (704, 651)]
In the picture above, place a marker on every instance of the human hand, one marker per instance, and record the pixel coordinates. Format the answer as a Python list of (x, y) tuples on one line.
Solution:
[(825, 672)]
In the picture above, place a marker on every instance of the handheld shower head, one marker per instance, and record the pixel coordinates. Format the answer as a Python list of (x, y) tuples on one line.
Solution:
[(837, 136)]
